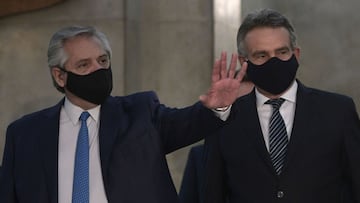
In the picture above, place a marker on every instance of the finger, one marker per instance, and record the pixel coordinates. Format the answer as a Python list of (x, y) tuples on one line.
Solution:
[(216, 71), (242, 72), (223, 72), (232, 68)]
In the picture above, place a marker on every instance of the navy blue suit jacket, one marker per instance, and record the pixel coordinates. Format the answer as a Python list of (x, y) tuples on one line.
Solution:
[(323, 156), (136, 132), (192, 182)]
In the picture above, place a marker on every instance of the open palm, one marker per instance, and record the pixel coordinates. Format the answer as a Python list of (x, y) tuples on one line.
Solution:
[(225, 85)]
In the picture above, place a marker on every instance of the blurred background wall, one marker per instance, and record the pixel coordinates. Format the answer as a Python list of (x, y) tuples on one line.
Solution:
[(169, 46)]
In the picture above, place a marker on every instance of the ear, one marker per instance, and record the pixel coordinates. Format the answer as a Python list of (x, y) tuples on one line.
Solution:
[(297, 53), (59, 76)]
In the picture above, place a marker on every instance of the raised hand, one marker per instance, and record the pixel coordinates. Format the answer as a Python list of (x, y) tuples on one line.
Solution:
[(225, 85)]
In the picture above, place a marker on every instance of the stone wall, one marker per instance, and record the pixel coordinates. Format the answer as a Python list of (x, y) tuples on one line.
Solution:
[(169, 49)]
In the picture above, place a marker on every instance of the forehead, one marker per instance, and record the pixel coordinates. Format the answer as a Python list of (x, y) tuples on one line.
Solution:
[(267, 39), (83, 47)]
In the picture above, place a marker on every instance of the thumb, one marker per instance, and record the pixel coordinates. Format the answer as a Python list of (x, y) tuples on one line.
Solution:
[(202, 98)]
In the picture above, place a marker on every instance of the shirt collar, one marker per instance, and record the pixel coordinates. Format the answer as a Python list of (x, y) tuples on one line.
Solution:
[(289, 95), (74, 112)]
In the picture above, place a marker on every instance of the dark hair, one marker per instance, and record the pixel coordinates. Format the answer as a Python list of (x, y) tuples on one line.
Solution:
[(263, 18)]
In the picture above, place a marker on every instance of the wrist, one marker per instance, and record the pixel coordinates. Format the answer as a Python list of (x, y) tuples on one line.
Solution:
[(222, 109)]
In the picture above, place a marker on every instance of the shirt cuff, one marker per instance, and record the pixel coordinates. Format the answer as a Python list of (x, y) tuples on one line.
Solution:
[(222, 113)]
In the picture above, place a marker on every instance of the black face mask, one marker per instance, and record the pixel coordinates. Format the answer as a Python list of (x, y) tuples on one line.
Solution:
[(94, 87), (275, 75)]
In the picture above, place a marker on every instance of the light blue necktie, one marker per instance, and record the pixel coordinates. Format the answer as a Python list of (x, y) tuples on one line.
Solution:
[(81, 169), (277, 135)]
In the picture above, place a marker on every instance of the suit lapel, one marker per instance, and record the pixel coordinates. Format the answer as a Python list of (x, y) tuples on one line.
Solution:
[(253, 129), (113, 124), (301, 125), (302, 122), (48, 144)]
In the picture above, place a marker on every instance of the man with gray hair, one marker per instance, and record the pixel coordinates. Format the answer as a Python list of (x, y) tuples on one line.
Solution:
[(288, 143), (93, 147)]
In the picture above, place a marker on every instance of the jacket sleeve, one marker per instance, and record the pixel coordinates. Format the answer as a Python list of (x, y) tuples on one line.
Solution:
[(179, 127), (7, 186), (352, 152)]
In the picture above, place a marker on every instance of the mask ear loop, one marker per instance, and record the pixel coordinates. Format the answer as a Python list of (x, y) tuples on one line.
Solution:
[(245, 57)]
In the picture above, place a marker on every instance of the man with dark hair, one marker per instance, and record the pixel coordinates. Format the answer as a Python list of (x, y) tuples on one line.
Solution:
[(286, 142)]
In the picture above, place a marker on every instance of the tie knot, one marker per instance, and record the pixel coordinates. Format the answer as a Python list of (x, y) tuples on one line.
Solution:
[(276, 103), (84, 116)]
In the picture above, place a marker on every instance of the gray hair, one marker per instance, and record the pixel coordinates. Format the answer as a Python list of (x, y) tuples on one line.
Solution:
[(263, 18), (57, 56)]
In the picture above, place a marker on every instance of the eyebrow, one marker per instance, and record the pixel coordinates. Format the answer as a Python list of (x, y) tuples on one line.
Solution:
[(88, 59), (81, 61), (258, 52), (283, 48), (104, 55)]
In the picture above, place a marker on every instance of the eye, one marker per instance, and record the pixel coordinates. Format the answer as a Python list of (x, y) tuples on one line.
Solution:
[(83, 65), (259, 56), (104, 61), (283, 52)]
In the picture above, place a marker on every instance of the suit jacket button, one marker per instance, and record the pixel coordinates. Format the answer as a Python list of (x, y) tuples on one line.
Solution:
[(280, 194)]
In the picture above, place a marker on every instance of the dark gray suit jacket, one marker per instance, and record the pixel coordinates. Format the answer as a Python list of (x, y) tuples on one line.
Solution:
[(323, 155), (136, 132)]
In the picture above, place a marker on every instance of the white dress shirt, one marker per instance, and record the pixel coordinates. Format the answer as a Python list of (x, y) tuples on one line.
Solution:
[(68, 132), (287, 111)]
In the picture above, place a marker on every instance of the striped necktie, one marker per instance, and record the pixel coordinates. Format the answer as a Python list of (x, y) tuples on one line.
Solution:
[(278, 138), (81, 169)]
